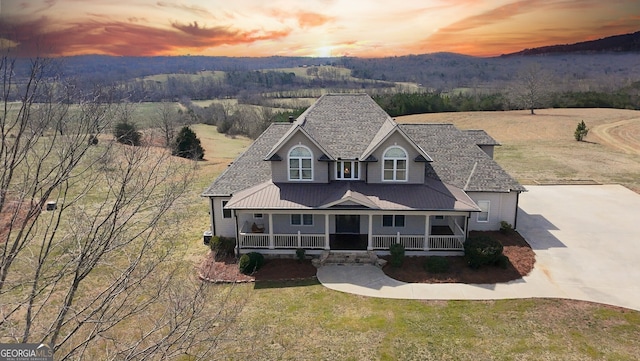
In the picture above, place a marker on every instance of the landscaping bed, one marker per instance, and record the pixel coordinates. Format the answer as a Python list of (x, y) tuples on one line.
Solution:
[(521, 262)]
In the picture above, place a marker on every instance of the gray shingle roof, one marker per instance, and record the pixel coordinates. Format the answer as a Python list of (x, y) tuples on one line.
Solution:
[(249, 168), (459, 161), (480, 137), (345, 124)]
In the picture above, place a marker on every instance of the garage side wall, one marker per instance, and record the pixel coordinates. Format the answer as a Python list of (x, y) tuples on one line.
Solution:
[(502, 207)]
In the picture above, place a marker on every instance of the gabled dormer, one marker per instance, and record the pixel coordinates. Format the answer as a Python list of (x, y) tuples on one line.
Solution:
[(393, 157), (297, 157)]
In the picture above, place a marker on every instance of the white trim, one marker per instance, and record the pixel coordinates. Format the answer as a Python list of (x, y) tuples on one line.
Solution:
[(395, 165), (224, 203), (393, 220), (301, 219), (354, 164), (300, 168), (258, 215), (482, 211)]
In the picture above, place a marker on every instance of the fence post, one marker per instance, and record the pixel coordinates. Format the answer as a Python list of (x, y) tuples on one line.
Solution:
[(299, 240)]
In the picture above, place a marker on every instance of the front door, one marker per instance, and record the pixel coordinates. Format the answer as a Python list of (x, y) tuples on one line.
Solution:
[(348, 223)]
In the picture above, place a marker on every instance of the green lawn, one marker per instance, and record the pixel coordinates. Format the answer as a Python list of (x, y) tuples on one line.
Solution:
[(304, 320)]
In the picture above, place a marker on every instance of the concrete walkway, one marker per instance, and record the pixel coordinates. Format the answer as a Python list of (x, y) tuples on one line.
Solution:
[(586, 240)]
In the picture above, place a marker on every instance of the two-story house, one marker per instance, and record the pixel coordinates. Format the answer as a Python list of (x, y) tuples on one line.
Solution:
[(346, 176)]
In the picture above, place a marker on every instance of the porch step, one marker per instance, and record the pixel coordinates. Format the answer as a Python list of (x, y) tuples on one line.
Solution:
[(351, 257)]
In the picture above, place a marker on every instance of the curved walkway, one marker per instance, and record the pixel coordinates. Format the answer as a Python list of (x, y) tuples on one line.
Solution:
[(586, 240)]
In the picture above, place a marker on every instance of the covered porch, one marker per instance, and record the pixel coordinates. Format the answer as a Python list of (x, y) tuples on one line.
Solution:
[(317, 231)]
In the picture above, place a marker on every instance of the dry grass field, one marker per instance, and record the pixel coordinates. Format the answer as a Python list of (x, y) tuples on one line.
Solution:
[(540, 149)]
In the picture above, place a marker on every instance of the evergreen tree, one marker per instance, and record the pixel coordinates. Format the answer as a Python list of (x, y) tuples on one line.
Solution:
[(581, 131), (187, 145)]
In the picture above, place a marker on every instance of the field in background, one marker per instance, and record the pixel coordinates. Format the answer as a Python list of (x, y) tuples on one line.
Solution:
[(540, 149)]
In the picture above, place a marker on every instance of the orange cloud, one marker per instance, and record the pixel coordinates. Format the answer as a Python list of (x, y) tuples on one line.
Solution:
[(306, 19), (309, 19), (122, 38)]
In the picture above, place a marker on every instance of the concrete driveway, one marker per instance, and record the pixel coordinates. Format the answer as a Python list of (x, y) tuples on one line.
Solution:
[(586, 240)]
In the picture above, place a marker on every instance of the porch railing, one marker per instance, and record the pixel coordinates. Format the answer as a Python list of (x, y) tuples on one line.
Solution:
[(416, 242), (379, 242), (293, 240)]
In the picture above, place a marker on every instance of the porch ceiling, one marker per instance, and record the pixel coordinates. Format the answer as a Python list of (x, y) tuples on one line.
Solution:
[(432, 195)]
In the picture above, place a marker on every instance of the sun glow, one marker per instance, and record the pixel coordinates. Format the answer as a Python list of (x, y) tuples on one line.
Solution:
[(324, 52)]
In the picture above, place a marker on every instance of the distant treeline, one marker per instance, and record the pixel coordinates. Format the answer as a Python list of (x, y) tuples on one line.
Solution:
[(418, 103)]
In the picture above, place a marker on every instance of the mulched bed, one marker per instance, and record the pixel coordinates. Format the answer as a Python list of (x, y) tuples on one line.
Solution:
[(521, 262)]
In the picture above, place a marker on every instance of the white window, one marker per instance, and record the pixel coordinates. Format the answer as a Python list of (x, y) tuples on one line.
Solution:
[(302, 219), (347, 169), (393, 221), (257, 215), (300, 163), (485, 206), (394, 164), (226, 213)]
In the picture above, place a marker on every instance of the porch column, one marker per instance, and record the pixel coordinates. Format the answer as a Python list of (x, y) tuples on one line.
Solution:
[(427, 231), (370, 234), (271, 240), (326, 232)]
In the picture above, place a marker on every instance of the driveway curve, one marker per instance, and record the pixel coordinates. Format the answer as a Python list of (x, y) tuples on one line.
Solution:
[(586, 240)]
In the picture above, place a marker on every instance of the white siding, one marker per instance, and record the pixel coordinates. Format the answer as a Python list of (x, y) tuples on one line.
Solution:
[(502, 208), (225, 227)]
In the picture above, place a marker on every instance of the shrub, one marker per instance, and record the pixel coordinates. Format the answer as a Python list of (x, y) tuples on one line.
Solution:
[(397, 254), (502, 261), (222, 246), (300, 254), (482, 250), (250, 262), (436, 264), (505, 227), (127, 133)]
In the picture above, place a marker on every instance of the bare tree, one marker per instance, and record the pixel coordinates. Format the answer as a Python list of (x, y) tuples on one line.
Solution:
[(170, 120), (532, 87), (99, 275)]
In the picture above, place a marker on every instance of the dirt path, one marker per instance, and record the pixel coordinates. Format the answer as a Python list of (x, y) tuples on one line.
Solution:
[(623, 135)]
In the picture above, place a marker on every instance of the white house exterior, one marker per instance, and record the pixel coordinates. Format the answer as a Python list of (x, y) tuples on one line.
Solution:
[(345, 176)]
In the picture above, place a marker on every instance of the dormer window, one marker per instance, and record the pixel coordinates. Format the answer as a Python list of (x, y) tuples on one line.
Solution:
[(347, 170), (394, 164), (300, 164)]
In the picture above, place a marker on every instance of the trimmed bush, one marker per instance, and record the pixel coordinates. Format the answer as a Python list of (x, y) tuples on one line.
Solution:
[(436, 264), (250, 262), (505, 227), (300, 254), (482, 250), (222, 246), (397, 254)]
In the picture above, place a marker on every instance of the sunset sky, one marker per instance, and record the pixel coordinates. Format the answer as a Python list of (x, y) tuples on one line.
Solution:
[(371, 28)]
